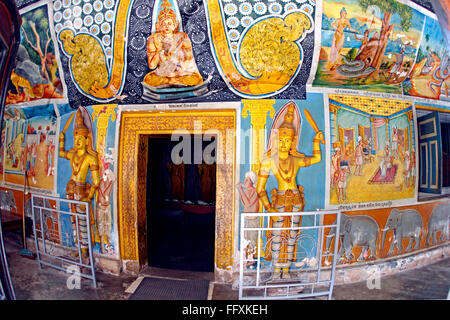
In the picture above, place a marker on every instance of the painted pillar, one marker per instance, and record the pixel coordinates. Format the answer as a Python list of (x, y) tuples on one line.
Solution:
[(411, 132), (103, 113), (257, 110), (388, 132), (333, 111), (372, 131)]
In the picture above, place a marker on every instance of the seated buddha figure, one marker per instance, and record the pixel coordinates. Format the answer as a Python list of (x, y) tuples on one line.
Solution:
[(169, 54)]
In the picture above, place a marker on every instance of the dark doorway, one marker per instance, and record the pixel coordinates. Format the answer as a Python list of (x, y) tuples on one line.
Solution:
[(180, 206), (445, 134)]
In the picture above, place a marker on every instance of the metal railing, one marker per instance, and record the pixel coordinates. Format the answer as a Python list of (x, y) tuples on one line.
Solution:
[(6, 286), (307, 268), (46, 257)]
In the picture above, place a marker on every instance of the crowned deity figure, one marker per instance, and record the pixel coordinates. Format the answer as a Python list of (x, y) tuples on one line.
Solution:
[(284, 162), (169, 53), (82, 159)]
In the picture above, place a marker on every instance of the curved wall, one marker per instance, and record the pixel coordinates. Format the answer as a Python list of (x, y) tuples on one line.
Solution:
[(359, 74)]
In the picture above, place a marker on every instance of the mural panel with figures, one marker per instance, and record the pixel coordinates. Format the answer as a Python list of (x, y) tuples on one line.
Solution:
[(30, 142), (35, 74), (285, 174), (373, 149), (430, 76), (169, 50), (368, 45), (381, 233), (86, 172), (327, 92)]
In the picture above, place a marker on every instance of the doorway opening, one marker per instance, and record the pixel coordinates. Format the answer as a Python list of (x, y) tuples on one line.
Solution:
[(180, 201)]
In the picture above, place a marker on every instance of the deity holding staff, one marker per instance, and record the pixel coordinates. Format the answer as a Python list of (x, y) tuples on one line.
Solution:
[(83, 158), (284, 161)]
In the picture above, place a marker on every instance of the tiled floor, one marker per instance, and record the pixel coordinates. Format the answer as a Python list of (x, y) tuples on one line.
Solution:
[(31, 283)]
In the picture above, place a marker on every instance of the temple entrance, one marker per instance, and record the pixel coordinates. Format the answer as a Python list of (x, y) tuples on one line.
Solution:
[(133, 226), (180, 202)]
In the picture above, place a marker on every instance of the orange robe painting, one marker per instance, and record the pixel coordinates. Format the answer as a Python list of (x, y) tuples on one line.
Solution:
[(169, 54)]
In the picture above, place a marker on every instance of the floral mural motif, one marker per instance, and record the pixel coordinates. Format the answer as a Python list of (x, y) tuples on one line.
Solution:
[(85, 32)]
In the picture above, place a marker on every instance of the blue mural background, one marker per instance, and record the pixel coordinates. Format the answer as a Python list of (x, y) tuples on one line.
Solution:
[(65, 171), (312, 178)]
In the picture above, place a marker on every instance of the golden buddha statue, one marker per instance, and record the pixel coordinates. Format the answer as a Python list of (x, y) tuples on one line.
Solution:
[(82, 159), (284, 161), (169, 53)]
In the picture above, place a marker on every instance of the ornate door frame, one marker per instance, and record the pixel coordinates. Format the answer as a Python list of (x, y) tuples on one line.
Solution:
[(131, 198)]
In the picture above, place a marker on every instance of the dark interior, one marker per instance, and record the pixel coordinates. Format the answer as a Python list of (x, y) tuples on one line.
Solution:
[(180, 208), (445, 134)]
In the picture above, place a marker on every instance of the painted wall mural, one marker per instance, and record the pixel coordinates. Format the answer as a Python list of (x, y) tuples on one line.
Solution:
[(373, 149), (430, 75), (280, 177), (222, 50), (106, 54), (389, 232), (441, 8), (31, 144), (36, 73), (30, 140), (368, 45), (92, 131), (183, 50)]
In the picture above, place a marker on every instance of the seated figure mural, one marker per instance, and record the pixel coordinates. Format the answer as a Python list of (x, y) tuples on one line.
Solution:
[(169, 54)]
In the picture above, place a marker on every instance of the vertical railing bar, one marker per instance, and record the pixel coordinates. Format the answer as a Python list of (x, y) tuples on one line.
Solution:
[(320, 234), (336, 241), (36, 242), (258, 263), (42, 230), (241, 265), (77, 233), (91, 259)]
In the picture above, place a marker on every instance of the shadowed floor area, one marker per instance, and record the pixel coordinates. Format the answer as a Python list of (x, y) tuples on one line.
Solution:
[(30, 283)]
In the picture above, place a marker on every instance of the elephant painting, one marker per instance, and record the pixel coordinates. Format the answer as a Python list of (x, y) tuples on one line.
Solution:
[(406, 223), (355, 231), (439, 220)]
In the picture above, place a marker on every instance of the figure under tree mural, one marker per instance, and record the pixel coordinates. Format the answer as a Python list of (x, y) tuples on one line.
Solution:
[(35, 74), (82, 159), (388, 8), (284, 162), (375, 46)]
